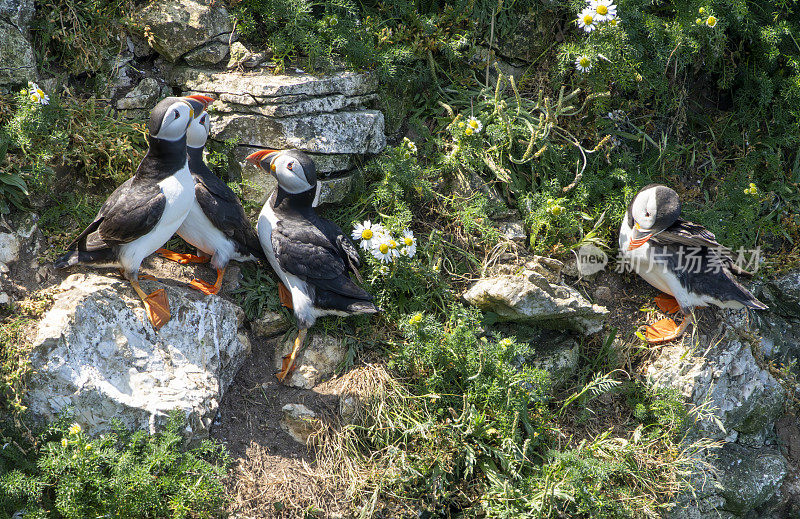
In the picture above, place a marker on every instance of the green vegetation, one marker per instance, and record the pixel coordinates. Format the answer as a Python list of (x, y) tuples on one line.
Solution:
[(62, 473)]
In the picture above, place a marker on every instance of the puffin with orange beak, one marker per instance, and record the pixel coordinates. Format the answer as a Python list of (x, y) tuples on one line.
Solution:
[(680, 258), (216, 225), (311, 255), (145, 210)]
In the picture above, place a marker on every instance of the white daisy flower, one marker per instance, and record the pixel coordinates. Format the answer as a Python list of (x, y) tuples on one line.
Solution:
[(605, 9), (385, 248), (383, 270), (583, 64), (409, 243), (587, 20), (37, 95), (408, 143), (367, 232), (711, 21), (475, 123)]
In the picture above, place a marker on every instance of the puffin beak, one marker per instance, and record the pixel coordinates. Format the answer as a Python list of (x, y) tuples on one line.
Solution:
[(256, 158), (639, 238), (204, 100)]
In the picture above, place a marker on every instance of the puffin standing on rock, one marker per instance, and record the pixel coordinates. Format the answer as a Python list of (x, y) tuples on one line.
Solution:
[(311, 255), (216, 225), (145, 210), (681, 258)]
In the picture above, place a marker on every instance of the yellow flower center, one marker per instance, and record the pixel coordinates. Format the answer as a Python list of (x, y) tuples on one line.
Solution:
[(409, 241), (587, 19), (40, 92), (460, 124), (473, 123), (384, 248), (613, 21), (584, 61), (711, 21), (366, 234), (468, 131), (34, 97), (603, 10), (392, 244), (415, 319)]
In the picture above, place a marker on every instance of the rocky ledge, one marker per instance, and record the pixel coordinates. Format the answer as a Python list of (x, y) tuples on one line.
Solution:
[(96, 352)]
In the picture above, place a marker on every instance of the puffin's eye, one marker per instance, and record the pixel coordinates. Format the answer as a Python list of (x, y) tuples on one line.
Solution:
[(647, 214), (290, 165), (177, 114)]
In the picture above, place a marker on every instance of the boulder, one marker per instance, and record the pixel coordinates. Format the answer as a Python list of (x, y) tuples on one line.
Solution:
[(17, 12), (96, 352), (555, 352), (317, 361), (747, 478), (530, 297), (209, 54), (143, 96), (723, 372), (270, 324), (21, 242), (175, 27), (299, 422), (17, 61)]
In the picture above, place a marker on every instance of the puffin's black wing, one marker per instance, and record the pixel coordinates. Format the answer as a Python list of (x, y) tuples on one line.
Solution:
[(303, 249), (691, 234), (130, 212), (221, 205)]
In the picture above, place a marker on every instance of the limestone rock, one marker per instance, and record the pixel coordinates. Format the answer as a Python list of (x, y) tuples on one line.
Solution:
[(513, 230), (333, 190), (17, 61), (743, 397), (175, 27), (242, 57), (143, 96), (555, 352), (17, 12), (270, 324), (353, 131), (9, 247), (317, 361), (748, 477), (96, 351), (299, 422), (252, 87), (530, 298), (209, 54)]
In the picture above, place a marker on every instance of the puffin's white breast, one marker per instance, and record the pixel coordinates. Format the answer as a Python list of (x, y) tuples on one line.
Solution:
[(198, 230), (178, 189)]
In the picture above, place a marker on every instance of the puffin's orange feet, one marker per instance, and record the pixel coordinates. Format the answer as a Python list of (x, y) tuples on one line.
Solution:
[(667, 304), (287, 363), (666, 330), (204, 286), (285, 296), (157, 308), (183, 259)]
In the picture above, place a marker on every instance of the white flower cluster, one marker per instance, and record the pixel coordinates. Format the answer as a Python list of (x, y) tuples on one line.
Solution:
[(376, 239), (37, 95), (597, 12)]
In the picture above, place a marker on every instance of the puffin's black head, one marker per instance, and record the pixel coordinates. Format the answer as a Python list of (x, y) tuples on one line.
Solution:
[(170, 118), (655, 208), (293, 169)]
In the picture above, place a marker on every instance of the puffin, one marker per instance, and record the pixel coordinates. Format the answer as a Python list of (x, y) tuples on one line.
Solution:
[(680, 258), (145, 210), (216, 224), (311, 255)]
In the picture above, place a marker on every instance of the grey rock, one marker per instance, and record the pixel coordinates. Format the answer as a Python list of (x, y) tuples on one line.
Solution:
[(270, 324), (270, 89), (9, 247), (209, 54), (144, 96), (299, 422), (530, 298), (333, 190), (358, 131), (724, 373), (4, 299), (748, 477), (513, 230), (17, 61), (317, 361), (96, 351), (18, 12), (175, 27), (242, 57), (300, 106), (555, 352)]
